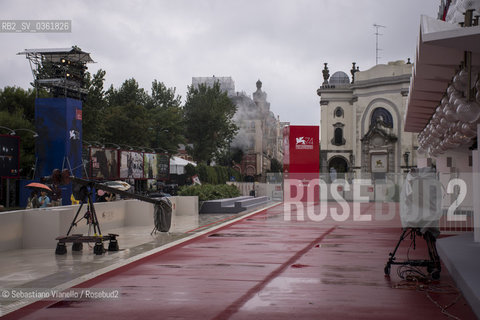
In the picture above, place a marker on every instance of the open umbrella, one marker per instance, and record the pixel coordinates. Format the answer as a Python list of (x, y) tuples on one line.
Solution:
[(38, 186), (120, 185)]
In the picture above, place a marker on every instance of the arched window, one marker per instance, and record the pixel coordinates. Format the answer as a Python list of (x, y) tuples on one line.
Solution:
[(384, 115), (338, 137), (338, 112)]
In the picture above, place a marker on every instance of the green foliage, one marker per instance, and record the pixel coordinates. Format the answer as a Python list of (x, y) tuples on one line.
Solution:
[(208, 121), (190, 170), (94, 107), (210, 192), (163, 97), (234, 173), (125, 115), (231, 156), (133, 117), (212, 175), (127, 124), (276, 166), (202, 170), (16, 120), (128, 93), (166, 117), (15, 99)]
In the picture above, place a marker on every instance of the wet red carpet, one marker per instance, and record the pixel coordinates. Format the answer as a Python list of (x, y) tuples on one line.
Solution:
[(264, 267)]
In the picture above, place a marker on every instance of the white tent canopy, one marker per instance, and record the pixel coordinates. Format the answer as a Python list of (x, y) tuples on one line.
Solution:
[(177, 165)]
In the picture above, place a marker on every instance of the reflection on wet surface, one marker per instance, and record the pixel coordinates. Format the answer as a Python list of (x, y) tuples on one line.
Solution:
[(42, 268)]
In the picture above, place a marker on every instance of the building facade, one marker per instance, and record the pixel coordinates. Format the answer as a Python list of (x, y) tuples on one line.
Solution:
[(260, 131), (362, 121), (226, 83), (260, 134)]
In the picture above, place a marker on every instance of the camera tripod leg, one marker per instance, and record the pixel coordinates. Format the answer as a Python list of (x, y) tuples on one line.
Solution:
[(74, 221), (434, 266), (96, 224), (391, 259)]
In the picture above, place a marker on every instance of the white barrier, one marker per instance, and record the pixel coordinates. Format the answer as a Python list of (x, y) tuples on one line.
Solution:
[(38, 228)]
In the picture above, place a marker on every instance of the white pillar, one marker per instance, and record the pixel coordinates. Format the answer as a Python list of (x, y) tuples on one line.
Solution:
[(476, 190)]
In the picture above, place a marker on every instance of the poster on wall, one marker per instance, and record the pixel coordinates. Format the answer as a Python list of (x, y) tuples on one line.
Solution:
[(152, 185), (150, 168), (163, 167), (103, 163), (9, 156), (379, 162), (131, 165)]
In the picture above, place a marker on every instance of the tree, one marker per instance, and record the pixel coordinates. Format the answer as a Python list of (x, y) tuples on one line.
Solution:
[(276, 166), (17, 111), (166, 115), (231, 156), (163, 97), (16, 120), (129, 92), (94, 106), (127, 124), (208, 121), (125, 118), (13, 99)]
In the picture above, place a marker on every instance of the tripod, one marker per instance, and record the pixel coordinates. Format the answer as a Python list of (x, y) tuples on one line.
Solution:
[(433, 265), (78, 239)]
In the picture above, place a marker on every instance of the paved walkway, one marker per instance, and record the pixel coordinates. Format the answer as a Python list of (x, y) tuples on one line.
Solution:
[(264, 267)]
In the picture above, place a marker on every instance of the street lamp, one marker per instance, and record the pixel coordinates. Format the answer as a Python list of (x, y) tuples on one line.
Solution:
[(130, 148), (113, 144), (143, 148), (149, 149), (161, 149), (35, 135), (94, 144), (11, 130)]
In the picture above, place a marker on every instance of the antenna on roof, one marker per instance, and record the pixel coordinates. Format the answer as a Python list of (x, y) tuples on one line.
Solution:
[(377, 26)]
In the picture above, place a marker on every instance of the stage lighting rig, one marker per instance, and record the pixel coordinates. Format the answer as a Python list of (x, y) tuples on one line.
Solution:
[(60, 71)]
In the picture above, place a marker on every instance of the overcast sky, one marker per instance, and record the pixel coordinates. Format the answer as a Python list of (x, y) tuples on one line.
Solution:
[(283, 43)]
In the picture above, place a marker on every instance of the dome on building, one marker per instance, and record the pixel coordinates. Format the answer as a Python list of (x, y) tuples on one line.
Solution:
[(339, 77)]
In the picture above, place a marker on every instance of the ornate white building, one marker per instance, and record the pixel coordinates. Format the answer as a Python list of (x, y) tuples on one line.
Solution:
[(362, 121)]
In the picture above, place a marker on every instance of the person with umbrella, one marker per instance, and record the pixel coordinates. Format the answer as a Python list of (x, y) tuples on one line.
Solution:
[(32, 201), (43, 200)]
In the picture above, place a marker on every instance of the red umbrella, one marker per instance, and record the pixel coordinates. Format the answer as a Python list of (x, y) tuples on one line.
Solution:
[(38, 185)]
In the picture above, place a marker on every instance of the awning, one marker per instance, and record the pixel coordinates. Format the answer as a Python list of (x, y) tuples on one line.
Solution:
[(440, 51), (177, 165)]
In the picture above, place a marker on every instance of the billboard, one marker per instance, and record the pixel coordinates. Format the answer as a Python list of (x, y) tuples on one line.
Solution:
[(150, 167), (9, 156), (58, 122), (131, 165), (301, 162), (163, 166), (103, 163), (301, 149)]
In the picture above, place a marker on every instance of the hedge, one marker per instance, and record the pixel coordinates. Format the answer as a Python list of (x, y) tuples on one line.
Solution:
[(212, 175), (210, 192)]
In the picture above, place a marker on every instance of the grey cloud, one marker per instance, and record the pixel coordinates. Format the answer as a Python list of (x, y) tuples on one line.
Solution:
[(282, 42)]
